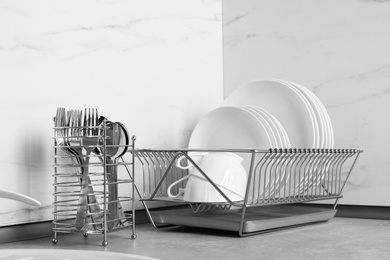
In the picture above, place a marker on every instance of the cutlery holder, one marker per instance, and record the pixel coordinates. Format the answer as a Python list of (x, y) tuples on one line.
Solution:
[(280, 182), (91, 190)]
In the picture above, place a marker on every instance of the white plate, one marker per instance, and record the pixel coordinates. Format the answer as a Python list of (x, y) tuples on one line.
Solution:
[(275, 182), (311, 109), (328, 138), (317, 113), (285, 140), (323, 135), (280, 134), (329, 142), (283, 132), (230, 128), (284, 102), (268, 125)]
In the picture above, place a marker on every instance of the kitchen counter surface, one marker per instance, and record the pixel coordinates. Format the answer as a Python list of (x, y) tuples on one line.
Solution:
[(340, 238)]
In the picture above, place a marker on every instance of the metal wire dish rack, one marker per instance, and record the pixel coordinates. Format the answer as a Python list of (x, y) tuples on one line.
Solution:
[(91, 185), (279, 184)]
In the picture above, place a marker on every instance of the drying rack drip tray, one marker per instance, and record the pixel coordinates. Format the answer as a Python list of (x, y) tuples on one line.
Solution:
[(257, 219)]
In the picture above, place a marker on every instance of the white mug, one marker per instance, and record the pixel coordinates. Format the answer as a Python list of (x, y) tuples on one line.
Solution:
[(196, 157), (223, 169)]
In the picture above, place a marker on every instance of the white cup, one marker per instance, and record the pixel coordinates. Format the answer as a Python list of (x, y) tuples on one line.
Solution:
[(196, 157), (223, 169)]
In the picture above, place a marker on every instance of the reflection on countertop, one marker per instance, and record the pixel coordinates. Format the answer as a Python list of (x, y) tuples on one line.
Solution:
[(340, 238)]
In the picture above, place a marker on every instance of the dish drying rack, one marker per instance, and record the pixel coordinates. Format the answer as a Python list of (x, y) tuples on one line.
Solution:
[(95, 208), (280, 183)]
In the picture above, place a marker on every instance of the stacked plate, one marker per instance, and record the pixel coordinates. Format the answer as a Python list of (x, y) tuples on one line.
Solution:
[(235, 127), (266, 113), (262, 114)]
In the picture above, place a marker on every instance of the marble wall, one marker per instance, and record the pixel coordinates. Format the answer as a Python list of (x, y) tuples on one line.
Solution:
[(148, 63), (145, 63), (337, 49)]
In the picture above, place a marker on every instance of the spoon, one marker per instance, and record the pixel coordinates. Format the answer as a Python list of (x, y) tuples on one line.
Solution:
[(116, 148), (89, 141)]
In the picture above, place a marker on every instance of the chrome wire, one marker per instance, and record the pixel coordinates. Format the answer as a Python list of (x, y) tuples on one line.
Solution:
[(279, 176)]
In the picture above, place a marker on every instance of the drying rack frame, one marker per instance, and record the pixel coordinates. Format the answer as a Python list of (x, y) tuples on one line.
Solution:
[(293, 177), (68, 189)]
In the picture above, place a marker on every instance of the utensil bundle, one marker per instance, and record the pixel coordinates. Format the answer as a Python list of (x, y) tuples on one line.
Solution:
[(84, 135)]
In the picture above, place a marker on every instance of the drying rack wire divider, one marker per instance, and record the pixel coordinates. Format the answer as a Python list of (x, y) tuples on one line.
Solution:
[(280, 185), (69, 162)]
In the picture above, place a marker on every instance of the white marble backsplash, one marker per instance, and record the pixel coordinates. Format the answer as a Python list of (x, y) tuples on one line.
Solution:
[(155, 66), (337, 49)]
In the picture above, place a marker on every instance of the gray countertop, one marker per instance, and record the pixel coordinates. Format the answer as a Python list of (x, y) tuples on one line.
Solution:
[(339, 238)]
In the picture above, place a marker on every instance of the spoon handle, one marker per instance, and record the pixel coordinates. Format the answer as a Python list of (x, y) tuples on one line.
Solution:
[(83, 199), (113, 194)]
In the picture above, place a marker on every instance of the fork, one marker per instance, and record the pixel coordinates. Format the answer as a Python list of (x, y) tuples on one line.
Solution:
[(74, 141), (89, 141), (60, 123)]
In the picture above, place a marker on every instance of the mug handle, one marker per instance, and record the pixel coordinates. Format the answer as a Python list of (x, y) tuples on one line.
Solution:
[(178, 163), (189, 165), (181, 190)]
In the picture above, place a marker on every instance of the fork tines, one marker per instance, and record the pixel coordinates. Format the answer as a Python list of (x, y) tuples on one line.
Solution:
[(76, 122), (91, 122)]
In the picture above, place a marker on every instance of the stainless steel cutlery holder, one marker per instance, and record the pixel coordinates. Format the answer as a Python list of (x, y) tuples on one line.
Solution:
[(92, 186), (279, 183)]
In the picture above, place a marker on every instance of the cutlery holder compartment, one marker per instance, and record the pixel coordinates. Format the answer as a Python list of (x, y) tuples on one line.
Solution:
[(93, 190), (278, 182)]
